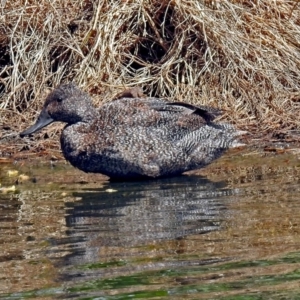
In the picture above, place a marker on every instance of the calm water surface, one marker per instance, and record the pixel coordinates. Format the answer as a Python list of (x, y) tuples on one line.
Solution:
[(231, 235)]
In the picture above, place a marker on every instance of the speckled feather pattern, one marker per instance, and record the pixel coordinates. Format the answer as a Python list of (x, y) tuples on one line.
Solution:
[(135, 137)]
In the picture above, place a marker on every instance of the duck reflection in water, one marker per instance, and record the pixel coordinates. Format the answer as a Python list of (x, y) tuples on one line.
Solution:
[(141, 213)]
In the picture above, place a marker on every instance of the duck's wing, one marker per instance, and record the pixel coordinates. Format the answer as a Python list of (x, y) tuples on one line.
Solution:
[(167, 120), (174, 120), (205, 112)]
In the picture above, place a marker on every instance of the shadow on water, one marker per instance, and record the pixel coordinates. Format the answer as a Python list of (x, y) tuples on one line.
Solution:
[(174, 238)]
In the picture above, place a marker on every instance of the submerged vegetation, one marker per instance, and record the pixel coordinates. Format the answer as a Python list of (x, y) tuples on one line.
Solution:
[(240, 56)]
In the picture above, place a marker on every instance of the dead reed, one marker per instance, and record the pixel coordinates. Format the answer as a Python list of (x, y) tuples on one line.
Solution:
[(241, 56)]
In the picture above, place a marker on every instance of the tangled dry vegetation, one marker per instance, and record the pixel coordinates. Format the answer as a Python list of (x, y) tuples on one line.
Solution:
[(241, 56)]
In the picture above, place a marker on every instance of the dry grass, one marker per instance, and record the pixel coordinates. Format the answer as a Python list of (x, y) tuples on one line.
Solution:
[(241, 56)]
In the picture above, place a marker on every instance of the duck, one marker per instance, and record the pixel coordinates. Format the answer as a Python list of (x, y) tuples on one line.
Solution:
[(135, 136)]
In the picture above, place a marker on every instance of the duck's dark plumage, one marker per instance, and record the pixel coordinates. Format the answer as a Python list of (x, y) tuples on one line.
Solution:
[(134, 137)]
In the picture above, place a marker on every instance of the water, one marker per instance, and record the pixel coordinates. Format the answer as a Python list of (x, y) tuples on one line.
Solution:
[(232, 235)]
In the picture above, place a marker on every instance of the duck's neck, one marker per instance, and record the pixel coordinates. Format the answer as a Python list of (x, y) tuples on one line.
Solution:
[(89, 114)]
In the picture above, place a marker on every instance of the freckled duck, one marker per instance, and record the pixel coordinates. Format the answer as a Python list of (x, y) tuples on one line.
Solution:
[(134, 137)]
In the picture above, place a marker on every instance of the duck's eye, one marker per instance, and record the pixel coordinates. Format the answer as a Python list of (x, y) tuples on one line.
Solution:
[(59, 98)]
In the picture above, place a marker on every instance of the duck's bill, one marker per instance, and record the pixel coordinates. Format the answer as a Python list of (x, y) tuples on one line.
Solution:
[(43, 120)]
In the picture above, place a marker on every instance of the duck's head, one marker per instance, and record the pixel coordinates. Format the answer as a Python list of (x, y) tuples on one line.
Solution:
[(67, 104)]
